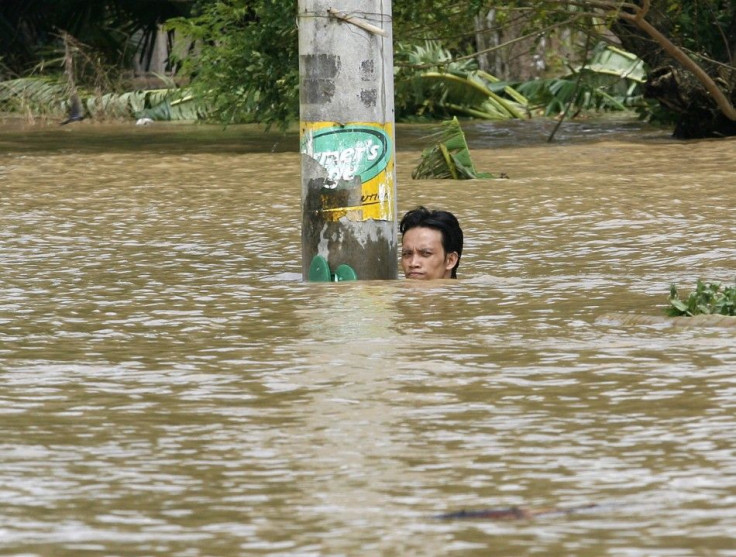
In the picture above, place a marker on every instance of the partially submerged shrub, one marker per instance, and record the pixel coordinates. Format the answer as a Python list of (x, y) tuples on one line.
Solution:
[(707, 298)]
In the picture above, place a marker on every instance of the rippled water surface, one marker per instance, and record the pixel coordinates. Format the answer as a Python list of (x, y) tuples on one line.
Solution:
[(169, 386)]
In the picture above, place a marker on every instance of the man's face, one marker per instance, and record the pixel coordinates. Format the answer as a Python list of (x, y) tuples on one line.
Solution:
[(422, 255)]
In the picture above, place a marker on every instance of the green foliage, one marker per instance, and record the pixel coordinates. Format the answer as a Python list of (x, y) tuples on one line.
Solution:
[(611, 80), (449, 157), (429, 83), (247, 67), (44, 96), (704, 27), (707, 298), (156, 104), (245, 60), (34, 96)]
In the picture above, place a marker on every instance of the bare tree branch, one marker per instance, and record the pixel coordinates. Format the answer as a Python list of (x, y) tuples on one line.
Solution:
[(724, 104)]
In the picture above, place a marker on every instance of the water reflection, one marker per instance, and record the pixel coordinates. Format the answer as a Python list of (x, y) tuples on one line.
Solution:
[(168, 385)]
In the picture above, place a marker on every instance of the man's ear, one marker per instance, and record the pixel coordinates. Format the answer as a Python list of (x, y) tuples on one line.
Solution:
[(450, 260)]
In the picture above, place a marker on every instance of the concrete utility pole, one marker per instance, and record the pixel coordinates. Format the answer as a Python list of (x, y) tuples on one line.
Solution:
[(347, 135)]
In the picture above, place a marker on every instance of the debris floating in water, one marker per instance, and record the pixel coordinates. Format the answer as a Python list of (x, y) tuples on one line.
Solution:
[(512, 513)]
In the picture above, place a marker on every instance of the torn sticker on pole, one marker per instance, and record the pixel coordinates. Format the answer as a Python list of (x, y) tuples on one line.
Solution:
[(358, 157)]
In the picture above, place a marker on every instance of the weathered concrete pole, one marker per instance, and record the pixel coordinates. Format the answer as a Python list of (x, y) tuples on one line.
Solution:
[(347, 135)]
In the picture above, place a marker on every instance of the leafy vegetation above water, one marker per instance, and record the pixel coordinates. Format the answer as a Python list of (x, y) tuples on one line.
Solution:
[(435, 78), (240, 57), (449, 157), (610, 80), (707, 298), (48, 97), (429, 83)]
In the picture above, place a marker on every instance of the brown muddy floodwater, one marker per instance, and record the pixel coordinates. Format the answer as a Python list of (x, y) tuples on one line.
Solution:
[(169, 386)]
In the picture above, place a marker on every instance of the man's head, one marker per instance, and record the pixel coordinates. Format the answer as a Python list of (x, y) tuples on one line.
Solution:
[(431, 244)]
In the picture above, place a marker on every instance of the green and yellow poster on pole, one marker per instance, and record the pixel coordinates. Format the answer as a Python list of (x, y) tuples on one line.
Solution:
[(354, 155)]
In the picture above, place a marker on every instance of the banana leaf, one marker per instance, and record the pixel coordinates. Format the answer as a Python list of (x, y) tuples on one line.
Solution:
[(34, 95), (610, 80), (609, 60), (156, 104), (449, 157), (430, 83), (471, 91), (51, 97)]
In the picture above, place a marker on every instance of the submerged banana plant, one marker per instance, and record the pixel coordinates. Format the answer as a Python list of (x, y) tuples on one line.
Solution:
[(449, 157), (430, 84), (33, 96), (156, 104), (42, 96), (610, 81)]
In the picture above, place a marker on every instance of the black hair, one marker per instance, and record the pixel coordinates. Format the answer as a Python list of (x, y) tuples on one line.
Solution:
[(445, 222)]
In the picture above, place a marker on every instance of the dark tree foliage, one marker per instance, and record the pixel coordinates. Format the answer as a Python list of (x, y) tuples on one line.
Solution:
[(705, 30), (30, 29), (247, 64)]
